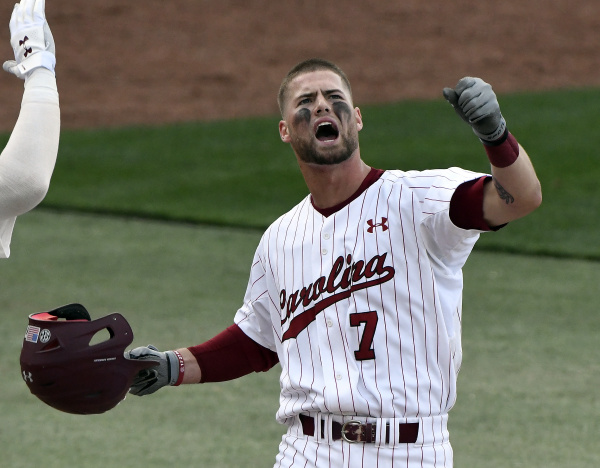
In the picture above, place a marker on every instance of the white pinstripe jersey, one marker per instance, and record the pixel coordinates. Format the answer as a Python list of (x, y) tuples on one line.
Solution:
[(363, 307)]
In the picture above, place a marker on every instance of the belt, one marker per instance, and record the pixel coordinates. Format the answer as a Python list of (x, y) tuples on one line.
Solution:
[(356, 431)]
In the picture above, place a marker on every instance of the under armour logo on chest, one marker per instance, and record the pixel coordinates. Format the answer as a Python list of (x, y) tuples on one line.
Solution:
[(383, 225), (22, 43)]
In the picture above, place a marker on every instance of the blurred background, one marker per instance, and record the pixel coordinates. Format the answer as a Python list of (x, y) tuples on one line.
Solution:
[(170, 167), (156, 62)]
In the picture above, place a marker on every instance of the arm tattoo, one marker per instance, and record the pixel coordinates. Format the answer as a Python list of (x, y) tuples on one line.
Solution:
[(503, 194)]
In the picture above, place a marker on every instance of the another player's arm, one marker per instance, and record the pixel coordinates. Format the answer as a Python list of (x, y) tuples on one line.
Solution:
[(514, 190), (27, 161)]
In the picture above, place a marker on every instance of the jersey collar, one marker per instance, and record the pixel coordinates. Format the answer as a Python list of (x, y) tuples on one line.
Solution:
[(370, 179)]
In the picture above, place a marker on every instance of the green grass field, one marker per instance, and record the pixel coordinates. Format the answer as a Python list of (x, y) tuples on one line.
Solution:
[(161, 224)]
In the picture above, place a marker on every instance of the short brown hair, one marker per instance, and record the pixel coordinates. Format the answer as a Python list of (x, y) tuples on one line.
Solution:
[(307, 66)]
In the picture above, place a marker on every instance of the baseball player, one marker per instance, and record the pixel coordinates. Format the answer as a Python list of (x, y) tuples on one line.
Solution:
[(27, 161), (356, 291)]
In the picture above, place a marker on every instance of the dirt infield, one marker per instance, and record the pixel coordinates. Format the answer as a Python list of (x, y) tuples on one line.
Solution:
[(153, 61)]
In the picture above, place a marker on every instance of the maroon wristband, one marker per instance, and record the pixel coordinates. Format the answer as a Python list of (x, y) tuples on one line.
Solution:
[(504, 154), (181, 366)]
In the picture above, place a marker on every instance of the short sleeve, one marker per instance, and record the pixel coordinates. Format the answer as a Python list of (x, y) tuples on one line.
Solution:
[(253, 317), (447, 243)]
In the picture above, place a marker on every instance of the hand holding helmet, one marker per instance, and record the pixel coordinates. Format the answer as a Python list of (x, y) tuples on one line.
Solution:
[(168, 371)]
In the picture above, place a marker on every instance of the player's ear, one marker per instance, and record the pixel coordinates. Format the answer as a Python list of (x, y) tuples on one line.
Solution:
[(284, 131), (358, 116)]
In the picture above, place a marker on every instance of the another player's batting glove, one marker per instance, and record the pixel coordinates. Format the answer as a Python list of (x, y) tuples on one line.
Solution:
[(169, 371), (31, 39), (475, 102)]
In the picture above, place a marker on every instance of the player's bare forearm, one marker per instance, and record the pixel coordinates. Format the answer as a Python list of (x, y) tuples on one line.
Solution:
[(192, 369), (514, 191)]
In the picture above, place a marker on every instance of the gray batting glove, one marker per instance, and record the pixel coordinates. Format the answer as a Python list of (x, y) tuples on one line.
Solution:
[(475, 102), (31, 39), (150, 380)]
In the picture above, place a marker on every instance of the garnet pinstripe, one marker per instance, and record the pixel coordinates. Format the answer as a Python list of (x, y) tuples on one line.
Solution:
[(391, 259)]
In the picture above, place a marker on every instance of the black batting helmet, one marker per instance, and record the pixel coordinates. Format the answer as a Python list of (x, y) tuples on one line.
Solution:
[(66, 371)]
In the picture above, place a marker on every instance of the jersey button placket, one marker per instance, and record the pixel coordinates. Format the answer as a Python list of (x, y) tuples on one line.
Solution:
[(326, 245), (329, 336)]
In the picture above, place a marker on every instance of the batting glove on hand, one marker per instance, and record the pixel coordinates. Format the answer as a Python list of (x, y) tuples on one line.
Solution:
[(167, 372), (31, 39), (475, 102)]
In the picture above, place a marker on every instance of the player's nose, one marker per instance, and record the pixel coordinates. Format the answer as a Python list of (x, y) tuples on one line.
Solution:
[(321, 104)]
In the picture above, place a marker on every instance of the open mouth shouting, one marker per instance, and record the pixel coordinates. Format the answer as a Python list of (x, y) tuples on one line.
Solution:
[(326, 131)]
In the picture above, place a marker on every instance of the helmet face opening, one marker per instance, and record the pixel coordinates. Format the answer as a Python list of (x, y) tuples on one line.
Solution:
[(65, 366)]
